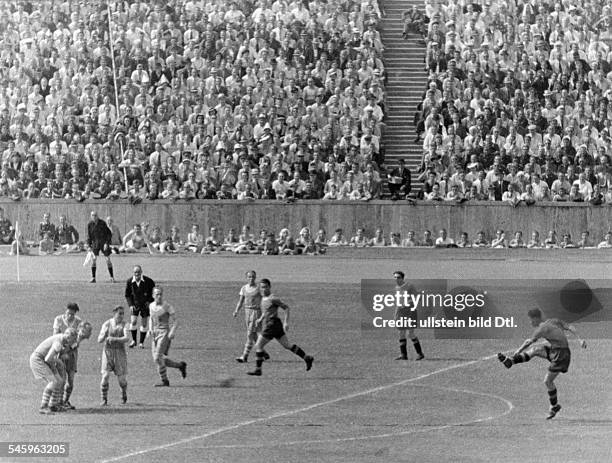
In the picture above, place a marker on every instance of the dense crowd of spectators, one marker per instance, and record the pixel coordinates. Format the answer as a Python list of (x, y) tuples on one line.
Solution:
[(517, 105), (187, 99)]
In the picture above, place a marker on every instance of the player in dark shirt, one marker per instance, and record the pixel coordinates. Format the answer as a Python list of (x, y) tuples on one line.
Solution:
[(273, 328), (99, 239), (555, 349)]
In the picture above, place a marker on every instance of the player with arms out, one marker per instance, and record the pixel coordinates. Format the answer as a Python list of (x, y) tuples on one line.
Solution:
[(44, 364), (115, 333), (555, 349), (99, 238), (400, 312), (162, 328), (69, 357), (250, 299), (273, 328)]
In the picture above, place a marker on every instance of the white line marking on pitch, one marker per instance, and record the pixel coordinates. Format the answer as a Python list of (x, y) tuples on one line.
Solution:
[(242, 424), (509, 407)]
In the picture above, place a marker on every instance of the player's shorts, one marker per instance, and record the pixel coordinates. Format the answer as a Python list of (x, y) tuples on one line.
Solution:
[(273, 328), (70, 360), (250, 317), (114, 359), (559, 358), (407, 313), (97, 247), (160, 344), (41, 369), (142, 311)]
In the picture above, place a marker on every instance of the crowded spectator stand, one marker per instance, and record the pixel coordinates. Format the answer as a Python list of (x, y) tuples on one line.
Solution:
[(191, 100), (517, 103)]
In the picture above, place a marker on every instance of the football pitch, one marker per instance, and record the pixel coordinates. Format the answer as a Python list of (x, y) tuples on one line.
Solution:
[(356, 404)]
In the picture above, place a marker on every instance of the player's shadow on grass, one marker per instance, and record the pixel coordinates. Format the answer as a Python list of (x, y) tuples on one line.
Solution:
[(446, 359), (212, 386), (588, 421), (119, 410)]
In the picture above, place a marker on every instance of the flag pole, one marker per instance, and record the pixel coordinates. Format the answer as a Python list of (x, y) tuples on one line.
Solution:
[(18, 243)]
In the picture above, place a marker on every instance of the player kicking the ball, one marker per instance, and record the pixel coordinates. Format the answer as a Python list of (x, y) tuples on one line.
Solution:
[(273, 328), (555, 349)]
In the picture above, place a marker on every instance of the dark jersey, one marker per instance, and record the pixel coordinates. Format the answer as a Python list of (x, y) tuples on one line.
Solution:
[(99, 233)]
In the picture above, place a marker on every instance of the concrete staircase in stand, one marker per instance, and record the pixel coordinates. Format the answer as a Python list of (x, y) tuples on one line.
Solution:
[(404, 63)]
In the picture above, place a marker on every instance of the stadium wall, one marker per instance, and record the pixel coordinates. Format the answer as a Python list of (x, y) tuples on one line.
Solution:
[(273, 215)]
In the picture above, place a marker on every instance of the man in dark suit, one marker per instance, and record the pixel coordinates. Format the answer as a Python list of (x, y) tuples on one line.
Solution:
[(139, 294), (400, 181)]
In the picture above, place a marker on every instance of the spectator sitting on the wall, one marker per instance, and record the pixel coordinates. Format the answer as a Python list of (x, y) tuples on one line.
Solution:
[(337, 239), (46, 246), (480, 241)]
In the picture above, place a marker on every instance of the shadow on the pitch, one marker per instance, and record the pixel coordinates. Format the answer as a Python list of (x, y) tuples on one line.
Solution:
[(446, 359), (587, 421), (119, 410), (211, 386)]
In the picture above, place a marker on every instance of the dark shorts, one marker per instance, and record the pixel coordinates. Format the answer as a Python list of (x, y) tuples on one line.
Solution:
[(559, 358), (142, 311), (97, 247), (407, 313), (273, 329)]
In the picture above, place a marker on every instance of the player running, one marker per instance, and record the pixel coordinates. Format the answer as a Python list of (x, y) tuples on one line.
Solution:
[(115, 333), (162, 328), (273, 328), (44, 364), (250, 299), (401, 285), (554, 348)]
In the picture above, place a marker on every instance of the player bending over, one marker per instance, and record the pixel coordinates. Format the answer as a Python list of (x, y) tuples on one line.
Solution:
[(555, 349), (273, 328), (115, 334), (44, 364)]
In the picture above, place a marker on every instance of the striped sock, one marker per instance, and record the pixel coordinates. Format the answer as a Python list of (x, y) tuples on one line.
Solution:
[(56, 396), (67, 392), (104, 391), (259, 361), (552, 396), (248, 347), (520, 358), (163, 373), (46, 397), (297, 351)]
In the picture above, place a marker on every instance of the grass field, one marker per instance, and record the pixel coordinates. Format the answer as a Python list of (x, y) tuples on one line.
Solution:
[(356, 405)]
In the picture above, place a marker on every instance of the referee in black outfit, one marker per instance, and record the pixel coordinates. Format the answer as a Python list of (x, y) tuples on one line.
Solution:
[(139, 294), (99, 239)]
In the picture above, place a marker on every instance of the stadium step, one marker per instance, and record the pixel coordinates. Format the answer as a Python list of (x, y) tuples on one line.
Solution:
[(404, 62)]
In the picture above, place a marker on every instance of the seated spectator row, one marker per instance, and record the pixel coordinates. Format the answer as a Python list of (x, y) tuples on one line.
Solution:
[(193, 99), (142, 237)]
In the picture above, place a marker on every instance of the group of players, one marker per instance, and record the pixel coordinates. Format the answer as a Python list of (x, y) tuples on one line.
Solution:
[(55, 359)]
